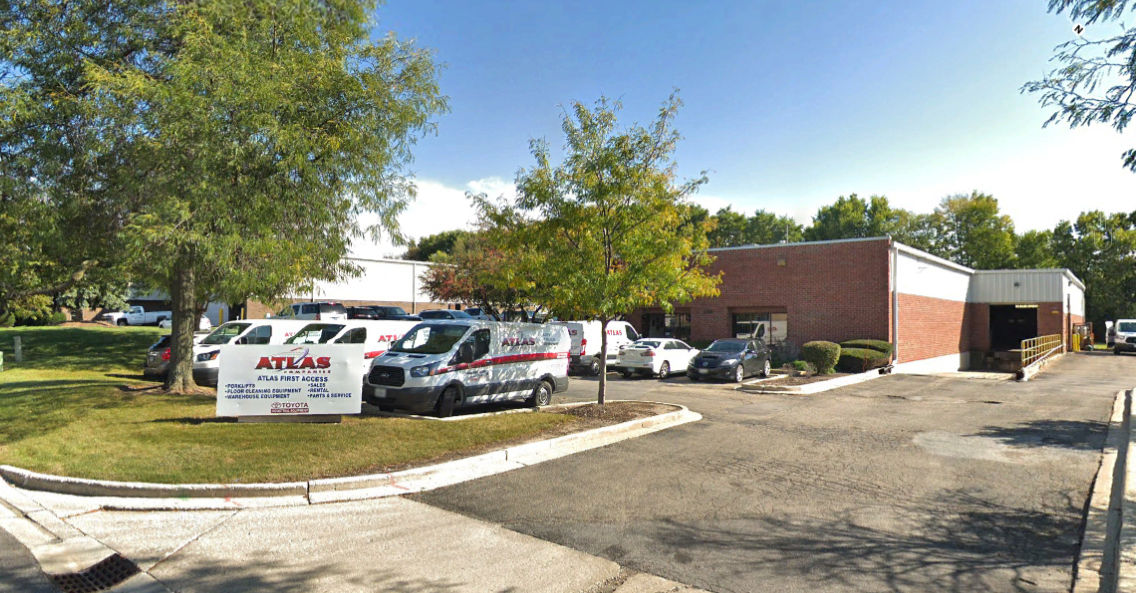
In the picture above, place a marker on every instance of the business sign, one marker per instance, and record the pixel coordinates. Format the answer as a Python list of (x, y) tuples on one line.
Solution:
[(289, 379)]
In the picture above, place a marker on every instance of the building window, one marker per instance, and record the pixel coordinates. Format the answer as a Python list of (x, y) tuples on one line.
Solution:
[(746, 324), (660, 325)]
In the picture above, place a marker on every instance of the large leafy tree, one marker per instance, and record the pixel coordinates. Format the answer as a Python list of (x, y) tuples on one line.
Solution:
[(854, 217), (477, 269), (1101, 250), (443, 243), (971, 231), (609, 229), (1095, 79), (239, 152)]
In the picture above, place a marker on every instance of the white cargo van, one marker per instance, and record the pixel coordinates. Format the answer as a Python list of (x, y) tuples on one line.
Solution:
[(1124, 336), (442, 365), (585, 351), (249, 331)]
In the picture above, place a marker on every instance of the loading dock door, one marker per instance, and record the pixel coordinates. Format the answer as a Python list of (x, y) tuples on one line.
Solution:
[(1010, 324)]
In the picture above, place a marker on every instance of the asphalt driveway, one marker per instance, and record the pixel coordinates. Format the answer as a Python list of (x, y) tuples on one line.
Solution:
[(905, 483)]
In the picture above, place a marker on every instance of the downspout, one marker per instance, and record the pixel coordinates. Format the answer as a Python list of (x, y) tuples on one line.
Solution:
[(895, 302)]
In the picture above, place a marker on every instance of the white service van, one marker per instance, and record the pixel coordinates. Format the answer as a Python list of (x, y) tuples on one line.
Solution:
[(1124, 336), (375, 335), (442, 365), (247, 331), (585, 335)]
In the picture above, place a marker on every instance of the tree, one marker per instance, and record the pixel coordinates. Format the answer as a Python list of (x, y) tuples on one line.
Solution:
[(853, 217), (425, 248), (477, 270), (1100, 249), (1096, 80), (239, 152), (608, 230), (1034, 249), (766, 228), (971, 232), (731, 229)]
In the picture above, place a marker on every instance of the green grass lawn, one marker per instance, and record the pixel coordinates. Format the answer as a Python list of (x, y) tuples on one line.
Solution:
[(78, 406)]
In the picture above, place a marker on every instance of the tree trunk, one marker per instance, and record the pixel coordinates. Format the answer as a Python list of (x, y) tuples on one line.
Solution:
[(179, 378), (602, 396)]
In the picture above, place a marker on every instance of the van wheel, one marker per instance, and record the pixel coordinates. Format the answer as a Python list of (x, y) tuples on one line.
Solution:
[(447, 402), (541, 396), (664, 370), (594, 367)]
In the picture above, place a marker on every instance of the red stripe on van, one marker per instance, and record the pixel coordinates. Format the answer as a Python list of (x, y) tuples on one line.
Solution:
[(512, 358)]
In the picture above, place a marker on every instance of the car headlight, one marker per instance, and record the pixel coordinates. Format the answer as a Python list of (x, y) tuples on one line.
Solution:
[(207, 356), (423, 371)]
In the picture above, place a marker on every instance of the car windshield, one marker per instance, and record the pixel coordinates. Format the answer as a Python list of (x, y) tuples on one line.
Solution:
[(225, 333), (430, 339), (645, 344), (726, 347), (315, 333), (1126, 326)]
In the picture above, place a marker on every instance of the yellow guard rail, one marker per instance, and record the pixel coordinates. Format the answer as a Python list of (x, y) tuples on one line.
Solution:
[(1040, 348)]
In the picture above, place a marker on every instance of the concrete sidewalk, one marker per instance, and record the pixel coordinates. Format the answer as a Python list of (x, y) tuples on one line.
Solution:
[(391, 544)]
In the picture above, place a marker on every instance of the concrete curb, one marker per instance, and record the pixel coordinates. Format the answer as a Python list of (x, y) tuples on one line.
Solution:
[(1097, 561), (817, 387), (147, 496)]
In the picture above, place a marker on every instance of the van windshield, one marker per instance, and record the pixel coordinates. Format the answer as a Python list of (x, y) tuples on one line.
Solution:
[(315, 333), (1126, 326), (225, 333), (430, 339)]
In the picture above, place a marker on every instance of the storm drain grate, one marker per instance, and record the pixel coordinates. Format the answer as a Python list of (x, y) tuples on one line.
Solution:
[(109, 572)]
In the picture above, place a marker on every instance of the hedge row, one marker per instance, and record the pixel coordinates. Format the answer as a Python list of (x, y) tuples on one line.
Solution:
[(822, 355), (877, 345), (859, 360)]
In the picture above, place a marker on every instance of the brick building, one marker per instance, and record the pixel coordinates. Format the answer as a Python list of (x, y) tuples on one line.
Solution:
[(940, 315)]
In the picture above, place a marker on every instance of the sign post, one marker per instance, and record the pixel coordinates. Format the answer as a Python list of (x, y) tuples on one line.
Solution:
[(290, 383)]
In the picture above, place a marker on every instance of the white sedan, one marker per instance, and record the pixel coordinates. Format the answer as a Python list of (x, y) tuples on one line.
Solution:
[(655, 356)]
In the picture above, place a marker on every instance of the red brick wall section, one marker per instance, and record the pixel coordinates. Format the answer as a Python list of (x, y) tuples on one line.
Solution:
[(1051, 320), (978, 323), (830, 291), (930, 327)]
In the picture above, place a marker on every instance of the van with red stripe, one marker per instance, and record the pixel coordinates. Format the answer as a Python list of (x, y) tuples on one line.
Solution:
[(443, 365), (586, 342)]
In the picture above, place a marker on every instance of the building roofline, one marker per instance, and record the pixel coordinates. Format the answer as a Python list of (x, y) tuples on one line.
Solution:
[(391, 260), (1063, 271), (798, 243), (923, 255)]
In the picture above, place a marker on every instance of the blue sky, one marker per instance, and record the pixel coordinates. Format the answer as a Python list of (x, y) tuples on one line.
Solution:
[(788, 104)]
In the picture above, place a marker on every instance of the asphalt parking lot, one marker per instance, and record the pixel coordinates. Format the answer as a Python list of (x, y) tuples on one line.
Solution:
[(905, 483)]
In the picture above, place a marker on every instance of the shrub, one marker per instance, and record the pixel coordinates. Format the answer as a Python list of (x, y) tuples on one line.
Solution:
[(877, 345), (7, 319), (822, 355), (56, 318), (859, 360), (800, 365)]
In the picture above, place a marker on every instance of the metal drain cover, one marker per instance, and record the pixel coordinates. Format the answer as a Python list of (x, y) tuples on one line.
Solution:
[(109, 572)]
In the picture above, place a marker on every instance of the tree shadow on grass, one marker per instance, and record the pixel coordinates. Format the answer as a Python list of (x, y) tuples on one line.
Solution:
[(1071, 434), (193, 421), (964, 545)]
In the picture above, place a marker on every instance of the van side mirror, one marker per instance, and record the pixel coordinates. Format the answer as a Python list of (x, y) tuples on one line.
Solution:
[(465, 353)]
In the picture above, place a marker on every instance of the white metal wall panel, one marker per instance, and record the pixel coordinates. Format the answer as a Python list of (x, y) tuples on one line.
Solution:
[(1076, 298), (1018, 286), (380, 280), (926, 278)]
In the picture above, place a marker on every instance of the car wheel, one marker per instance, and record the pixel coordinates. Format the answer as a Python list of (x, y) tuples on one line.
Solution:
[(594, 367), (628, 373), (542, 395), (121, 322), (447, 402), (766, 369), (694, 378), (1116, 350), (664, 370), (740, 373)]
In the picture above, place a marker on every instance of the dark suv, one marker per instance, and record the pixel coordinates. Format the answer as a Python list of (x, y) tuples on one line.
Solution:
[(380, 312)]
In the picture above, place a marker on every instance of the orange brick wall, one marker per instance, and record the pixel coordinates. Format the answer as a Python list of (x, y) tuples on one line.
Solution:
[(930, 327), (831, 291), (1051, 320)]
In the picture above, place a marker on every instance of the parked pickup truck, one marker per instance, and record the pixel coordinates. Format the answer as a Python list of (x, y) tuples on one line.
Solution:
[(138, 315)]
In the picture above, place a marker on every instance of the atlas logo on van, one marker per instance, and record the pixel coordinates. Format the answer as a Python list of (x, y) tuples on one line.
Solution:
[(291, 361), (518, 342)]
